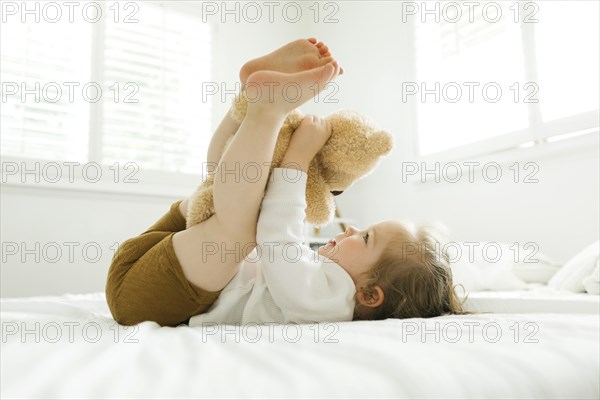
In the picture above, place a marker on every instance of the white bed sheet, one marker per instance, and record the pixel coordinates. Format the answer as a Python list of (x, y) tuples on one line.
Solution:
[(537, 299), (383, 359)]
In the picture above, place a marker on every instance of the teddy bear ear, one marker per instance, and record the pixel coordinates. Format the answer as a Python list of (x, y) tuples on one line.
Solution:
[(381, 142), (294, 118)]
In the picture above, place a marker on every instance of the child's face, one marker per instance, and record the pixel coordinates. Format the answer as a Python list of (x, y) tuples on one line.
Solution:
[(357, 250)]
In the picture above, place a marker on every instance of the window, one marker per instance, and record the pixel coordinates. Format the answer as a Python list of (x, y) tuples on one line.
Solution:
[(526, 77), (38, 117), (135, 75)]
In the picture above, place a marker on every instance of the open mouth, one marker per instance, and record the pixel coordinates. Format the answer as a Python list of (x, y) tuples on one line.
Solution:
[(332, 242)]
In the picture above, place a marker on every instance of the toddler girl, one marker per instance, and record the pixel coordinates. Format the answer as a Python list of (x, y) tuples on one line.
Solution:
[(247, 263)]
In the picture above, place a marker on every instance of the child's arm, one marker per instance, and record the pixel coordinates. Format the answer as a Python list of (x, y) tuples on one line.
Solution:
[(305, 288), (306, 142)]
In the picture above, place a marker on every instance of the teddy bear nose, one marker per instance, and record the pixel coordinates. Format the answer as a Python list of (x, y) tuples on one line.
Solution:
[(337, 192)]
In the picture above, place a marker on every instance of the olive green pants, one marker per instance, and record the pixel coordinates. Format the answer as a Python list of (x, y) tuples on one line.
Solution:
[(145, 280)]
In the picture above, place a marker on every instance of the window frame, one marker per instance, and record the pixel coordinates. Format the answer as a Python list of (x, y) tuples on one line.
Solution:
[(155, 183), (508, 144)]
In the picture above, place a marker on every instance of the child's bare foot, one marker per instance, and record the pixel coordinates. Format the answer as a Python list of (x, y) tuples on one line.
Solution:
[(296, 56), (280, 92)]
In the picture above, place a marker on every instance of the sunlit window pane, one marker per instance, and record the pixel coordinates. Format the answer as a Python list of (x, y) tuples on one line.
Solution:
[(484, 60), (567, 41), (44, 68)]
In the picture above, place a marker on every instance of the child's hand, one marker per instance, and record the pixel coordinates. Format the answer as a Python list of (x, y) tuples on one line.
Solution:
[(307, 140)]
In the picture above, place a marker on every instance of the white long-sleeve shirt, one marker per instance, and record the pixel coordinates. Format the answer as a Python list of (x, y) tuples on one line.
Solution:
[(283, 280)]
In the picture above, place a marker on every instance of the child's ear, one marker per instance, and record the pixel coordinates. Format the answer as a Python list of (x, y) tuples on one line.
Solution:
[(373, 298)]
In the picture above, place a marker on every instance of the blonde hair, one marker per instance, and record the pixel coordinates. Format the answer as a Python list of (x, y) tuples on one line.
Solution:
[(414, 273)]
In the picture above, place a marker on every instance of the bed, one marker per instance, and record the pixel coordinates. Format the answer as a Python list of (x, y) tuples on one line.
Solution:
[(69, 347)]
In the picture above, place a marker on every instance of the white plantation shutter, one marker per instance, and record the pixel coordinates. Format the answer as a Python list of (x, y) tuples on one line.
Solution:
[(558, 54), (48, 55), (150, 71), (164, 58)]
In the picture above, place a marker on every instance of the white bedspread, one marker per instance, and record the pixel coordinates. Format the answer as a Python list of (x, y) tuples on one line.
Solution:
[(552, 356)]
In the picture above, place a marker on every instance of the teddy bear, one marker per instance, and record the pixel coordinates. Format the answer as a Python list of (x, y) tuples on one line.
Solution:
[(352, 151)]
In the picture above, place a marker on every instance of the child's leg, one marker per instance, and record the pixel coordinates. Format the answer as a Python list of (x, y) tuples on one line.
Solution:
[(232, 229)]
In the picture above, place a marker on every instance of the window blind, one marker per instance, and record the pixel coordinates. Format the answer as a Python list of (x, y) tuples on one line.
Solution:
[(38, 116), (150, 71), (158, 66)]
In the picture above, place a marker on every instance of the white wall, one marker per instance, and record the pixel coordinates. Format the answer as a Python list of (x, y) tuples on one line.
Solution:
[(560, 213), (54, 218)]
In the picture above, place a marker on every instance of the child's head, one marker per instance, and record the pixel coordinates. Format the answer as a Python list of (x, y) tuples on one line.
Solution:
[(399, 271)]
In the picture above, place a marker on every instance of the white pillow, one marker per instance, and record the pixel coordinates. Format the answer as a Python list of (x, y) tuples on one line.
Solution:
[(534, 267), (592, 282), (571, 275), (499, 266), (478, 269)]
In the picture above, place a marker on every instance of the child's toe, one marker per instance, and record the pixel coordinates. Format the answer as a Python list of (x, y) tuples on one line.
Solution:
[(325, 60)]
